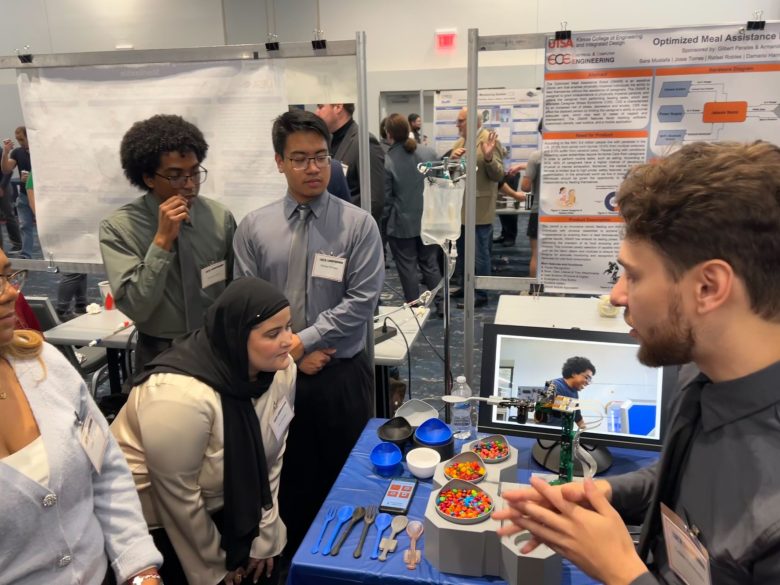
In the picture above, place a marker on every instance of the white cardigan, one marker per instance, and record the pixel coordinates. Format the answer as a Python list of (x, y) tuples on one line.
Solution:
[(171, 432), (63, 533)]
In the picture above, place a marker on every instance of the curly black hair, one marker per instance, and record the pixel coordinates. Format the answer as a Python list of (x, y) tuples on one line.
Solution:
[(577, 365), (146, 140)]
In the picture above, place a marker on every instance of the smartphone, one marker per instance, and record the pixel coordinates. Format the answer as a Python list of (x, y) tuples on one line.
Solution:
[(398, 496)]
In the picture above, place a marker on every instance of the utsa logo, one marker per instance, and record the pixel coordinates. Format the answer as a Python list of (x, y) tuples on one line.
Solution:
[(560, 43)]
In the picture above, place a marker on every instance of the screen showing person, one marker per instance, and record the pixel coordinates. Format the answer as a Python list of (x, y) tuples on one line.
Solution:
[(623, 403), (576, 374)]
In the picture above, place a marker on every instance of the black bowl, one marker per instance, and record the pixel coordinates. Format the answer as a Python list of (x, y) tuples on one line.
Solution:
[(446, 450), (397, 430)]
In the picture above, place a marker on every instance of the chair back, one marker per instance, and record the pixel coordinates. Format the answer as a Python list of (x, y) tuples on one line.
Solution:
[(47, 317)]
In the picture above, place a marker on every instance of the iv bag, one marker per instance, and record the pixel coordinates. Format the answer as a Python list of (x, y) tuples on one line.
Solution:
[(442, 202)]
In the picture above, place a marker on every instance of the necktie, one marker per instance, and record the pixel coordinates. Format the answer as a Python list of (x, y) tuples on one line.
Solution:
[(670, 473), (297, 268), (190, 279)]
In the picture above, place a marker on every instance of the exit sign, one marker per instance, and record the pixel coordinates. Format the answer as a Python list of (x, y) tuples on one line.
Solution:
[(445, 39)]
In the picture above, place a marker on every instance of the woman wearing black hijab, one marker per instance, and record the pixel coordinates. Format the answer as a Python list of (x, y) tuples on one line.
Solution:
[(204, 431)]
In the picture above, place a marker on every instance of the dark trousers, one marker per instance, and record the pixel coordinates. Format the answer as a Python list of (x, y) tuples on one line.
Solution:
[(172, 572), (482, 246), (331, 409), (409, 254), (508, 227), (147, 348), (11, 223), (72, 287)]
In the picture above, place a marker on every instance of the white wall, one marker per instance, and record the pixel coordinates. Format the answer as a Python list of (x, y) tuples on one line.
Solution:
[(71, 26), (400, 35)]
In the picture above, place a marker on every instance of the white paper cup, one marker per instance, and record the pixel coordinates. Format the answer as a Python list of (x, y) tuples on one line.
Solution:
[(105, 290), (606, 308)]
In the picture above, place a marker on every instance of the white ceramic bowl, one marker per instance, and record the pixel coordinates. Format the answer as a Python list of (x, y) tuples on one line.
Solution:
[(422, 462)]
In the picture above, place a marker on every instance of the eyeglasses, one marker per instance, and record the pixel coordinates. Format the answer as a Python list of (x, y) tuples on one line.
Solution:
[(15, 280), (301, 163), (178, 181)]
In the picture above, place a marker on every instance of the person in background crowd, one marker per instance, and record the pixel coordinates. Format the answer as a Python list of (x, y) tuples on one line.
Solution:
[(344, 147), (415, 123), (383, 136), (204, 431), (19, 158), (327, 257), (700, 286), (404, 186), (338, 185), (490, 165), (508, 186), (8, 215), (168, 254), (69, 509)]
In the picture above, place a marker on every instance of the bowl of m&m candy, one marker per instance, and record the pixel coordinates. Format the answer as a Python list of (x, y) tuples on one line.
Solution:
[(467, 466), (462, 502), (492, 449)]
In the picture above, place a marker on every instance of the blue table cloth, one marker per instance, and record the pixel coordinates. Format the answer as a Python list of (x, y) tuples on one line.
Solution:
[(358, 485)]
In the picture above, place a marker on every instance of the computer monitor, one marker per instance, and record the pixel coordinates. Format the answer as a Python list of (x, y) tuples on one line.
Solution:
[(624, 405)]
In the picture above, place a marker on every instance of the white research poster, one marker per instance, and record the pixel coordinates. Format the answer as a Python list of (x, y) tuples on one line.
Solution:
[(76, 117), (616, 99), (513, 113)]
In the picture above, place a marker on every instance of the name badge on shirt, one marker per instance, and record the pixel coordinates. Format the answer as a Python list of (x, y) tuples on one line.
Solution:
[(283, 414), (688, 558), (213, 273), (94, 441), (329, 267)]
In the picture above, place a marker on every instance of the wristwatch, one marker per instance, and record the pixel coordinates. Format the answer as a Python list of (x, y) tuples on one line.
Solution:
[(139, 579)]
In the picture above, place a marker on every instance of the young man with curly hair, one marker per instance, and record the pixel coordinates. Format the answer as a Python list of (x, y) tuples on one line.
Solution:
[(576, 373), (168, 253)]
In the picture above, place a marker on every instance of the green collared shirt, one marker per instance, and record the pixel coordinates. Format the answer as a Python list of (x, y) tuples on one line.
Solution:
[(145, 279)]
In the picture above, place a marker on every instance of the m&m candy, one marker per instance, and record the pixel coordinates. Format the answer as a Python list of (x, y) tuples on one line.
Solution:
[(491, 450), (468, 470), (464, 504)]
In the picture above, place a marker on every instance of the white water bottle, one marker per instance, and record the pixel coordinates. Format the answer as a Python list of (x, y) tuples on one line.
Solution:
[(462, 411)]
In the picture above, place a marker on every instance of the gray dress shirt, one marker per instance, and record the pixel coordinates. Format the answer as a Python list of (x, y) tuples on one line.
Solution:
[(730, 484), (145, 279), (337, 312)]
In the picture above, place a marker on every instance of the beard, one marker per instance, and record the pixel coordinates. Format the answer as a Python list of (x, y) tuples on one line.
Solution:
[(669, 343)]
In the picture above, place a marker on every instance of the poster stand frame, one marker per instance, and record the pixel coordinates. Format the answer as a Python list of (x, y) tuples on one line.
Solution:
[(476, 45), (246, 52)]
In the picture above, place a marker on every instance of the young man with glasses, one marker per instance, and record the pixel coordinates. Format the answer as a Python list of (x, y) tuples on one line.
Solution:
[(168, 254), (577, 372), (326, 254)]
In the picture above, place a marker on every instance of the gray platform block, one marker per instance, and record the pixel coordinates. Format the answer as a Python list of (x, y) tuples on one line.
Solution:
[(541, 566), (473, 550)]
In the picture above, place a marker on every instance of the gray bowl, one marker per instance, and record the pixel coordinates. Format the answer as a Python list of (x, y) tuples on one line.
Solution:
[(487, 440), (416, 412), (464, 485), (465, 457)]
